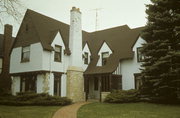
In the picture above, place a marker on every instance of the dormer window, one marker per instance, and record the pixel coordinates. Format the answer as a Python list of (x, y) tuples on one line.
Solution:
[(140, 56), (58, 53), (86, 58), (105, 55), (25, 54)]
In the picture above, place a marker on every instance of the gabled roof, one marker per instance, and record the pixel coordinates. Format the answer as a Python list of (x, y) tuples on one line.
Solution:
[(119, 39), (1, 45), (46, 29)]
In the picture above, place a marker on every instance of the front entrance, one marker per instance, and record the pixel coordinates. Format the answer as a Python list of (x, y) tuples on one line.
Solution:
[(94, 88), (96, 84)]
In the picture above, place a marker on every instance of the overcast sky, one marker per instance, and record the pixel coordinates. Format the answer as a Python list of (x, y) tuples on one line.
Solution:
[(112, 13)]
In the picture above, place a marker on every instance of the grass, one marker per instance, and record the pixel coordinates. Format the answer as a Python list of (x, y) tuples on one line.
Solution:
[(27, 111), (129, 110)]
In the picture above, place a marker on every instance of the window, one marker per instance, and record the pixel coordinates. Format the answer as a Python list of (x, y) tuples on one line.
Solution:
[(58, 52), (140, 56), (85, 58), (28, 83), (138, 81), (25, 54), (105, 55), (57, 85)]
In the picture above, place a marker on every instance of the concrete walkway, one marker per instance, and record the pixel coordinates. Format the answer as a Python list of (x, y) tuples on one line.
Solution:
[(69, 111)]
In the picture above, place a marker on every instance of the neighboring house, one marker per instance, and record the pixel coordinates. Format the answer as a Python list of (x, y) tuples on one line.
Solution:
[(6, 42), (59, 59)]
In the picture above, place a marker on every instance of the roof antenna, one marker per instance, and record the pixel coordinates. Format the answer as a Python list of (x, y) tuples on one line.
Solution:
[(96, 10)]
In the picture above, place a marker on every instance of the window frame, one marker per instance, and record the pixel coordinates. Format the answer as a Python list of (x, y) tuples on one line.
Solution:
[(102, 60), (140, 56), (22, 54), (86, 59), (59, 53)]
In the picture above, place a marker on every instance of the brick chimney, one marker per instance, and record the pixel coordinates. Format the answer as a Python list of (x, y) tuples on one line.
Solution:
[(7, 44)]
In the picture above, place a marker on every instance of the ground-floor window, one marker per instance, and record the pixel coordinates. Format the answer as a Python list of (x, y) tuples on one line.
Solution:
[(28, 83), (138, 81), (57, 85)]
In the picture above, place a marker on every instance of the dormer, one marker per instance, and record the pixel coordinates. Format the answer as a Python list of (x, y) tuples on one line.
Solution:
[(86, 54), (104, 53), (58, 45)]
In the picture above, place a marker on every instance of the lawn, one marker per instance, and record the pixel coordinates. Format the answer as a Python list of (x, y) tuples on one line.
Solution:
[(128, 110), (27, 111)]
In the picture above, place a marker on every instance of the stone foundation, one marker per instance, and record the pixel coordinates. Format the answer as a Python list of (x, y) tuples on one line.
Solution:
[(75, 84)]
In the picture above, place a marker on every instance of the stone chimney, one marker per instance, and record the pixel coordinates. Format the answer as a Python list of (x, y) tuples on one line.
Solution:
[(75, 38), (75, 79)]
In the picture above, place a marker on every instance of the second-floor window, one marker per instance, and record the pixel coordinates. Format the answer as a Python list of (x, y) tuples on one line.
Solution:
[(105, 55), (58, 53), (140, 56), (25, 54), (86, 58)]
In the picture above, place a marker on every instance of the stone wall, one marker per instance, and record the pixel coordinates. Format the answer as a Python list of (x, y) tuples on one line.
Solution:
[(75, 84)]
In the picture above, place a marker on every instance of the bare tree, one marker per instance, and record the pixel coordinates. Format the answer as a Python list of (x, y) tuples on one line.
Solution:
[(10, 8)]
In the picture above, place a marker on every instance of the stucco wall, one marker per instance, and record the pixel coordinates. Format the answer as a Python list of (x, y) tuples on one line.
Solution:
[(34, 64), (104, 48), (48, 57), (131, 66)]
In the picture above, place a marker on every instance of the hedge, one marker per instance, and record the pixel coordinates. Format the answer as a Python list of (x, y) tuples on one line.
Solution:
[(122, 96), (32, 99)]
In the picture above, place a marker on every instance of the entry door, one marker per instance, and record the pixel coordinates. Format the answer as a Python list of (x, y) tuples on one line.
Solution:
[(57, 85)]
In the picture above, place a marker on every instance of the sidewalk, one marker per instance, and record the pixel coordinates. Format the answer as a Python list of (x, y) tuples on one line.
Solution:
[(69, 111)]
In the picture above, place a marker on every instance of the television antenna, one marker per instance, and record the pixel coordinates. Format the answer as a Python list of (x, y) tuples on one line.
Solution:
[(97, 15)]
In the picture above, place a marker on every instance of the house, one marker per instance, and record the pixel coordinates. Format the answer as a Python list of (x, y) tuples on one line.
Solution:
[(52, 57), (6, 42)]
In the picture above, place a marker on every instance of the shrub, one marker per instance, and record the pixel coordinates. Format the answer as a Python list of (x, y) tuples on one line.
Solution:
[(122, 96), (29, 98)]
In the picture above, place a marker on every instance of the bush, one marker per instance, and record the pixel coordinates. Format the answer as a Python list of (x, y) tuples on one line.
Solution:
[(122, 96), (29, 98)]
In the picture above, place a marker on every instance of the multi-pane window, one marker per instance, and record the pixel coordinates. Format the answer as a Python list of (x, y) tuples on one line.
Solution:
[(25, 54), (58, 53), (105, 55), (28, 83), (85, 58), (140, 56)]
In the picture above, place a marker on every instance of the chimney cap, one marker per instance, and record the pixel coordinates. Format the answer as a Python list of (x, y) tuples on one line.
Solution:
[(75, 9)]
